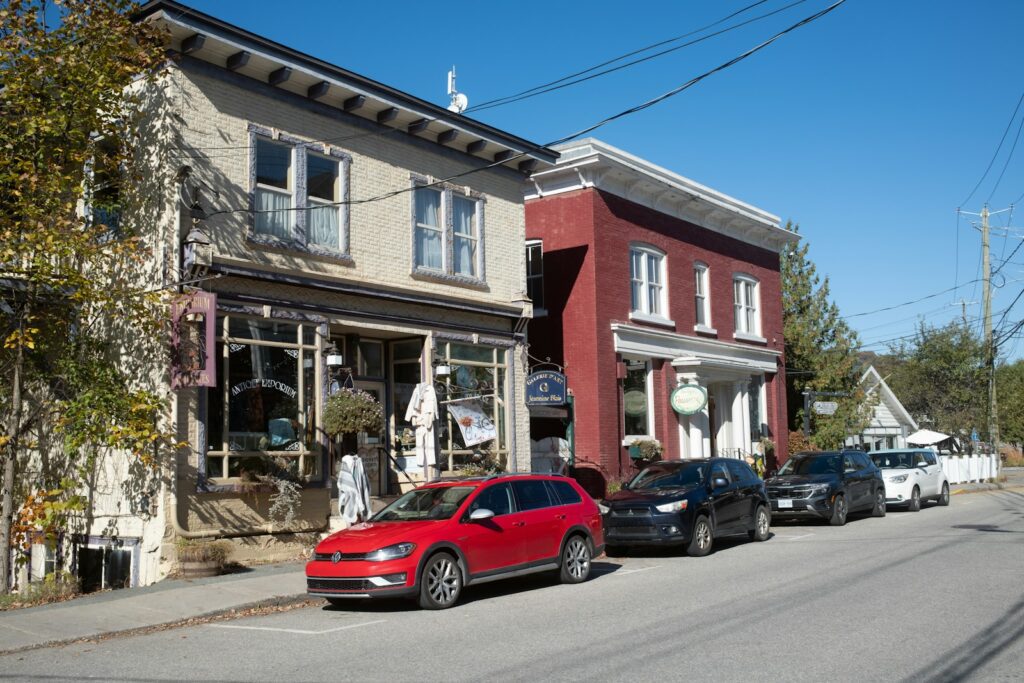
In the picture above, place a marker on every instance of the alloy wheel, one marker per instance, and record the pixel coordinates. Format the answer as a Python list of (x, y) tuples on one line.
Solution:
[(443, 581), (577, 558), (762, 523)]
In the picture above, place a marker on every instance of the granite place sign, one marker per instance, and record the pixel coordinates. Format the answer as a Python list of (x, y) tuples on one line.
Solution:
[(545, 388)]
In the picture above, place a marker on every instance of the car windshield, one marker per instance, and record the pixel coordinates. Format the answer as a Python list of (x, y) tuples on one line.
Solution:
[(433, 503), (903, 460), (814, 464), (669, 476)]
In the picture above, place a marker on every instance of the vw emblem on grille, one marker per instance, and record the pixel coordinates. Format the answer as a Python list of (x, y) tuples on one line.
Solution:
[(336, 557)]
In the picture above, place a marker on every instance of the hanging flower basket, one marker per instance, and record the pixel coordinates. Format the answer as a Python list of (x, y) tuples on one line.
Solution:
[(350, 411)]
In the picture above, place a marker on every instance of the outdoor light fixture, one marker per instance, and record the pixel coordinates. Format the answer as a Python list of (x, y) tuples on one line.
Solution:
[(334, 357), (441, 368)]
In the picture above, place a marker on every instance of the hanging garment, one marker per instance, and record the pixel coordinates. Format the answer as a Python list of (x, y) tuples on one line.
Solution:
[(353, 490), (422, 412)]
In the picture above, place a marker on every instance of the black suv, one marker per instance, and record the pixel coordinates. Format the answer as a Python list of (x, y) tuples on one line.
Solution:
[(828, 485), (687, 502)]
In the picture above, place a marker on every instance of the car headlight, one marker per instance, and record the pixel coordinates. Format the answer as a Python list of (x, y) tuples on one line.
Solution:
[(674, 506), (818, 489), (898, 479), (603, 509), (391, 552)]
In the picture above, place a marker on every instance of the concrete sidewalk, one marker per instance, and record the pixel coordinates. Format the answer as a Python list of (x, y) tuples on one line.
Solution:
[(166, 602), (176, 600)]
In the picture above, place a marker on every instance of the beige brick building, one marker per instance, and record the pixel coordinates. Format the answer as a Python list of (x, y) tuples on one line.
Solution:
[(315, 210)]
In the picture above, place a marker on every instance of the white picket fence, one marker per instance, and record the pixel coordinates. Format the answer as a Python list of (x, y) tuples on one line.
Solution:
[(960, 469)]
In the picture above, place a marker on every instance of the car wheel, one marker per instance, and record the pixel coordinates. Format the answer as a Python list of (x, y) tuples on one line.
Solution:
[(576, 560), (944, 496), (839, 511), (441, 582), (915, 500), (762, 523), (614, 550), (700, 539), (879, 509)]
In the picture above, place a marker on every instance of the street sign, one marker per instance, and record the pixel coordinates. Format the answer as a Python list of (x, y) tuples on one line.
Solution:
[(825, 407)]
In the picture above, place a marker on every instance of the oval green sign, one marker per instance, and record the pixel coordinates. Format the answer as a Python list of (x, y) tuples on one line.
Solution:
[(689, 399)]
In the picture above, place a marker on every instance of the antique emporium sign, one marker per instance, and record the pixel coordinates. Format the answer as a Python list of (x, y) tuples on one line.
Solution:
[(545, 388), (689, 399)]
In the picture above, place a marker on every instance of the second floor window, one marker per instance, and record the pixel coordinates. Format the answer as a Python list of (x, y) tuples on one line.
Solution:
[(700, 297), (535, 274), (298, 193), (745, 305), (647, 281), (447, 233)]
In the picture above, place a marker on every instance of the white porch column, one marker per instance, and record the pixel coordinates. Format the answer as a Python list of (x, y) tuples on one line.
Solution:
[(740, 427)]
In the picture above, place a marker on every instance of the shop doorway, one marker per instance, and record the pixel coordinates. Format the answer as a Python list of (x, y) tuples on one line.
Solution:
[(370, 445)]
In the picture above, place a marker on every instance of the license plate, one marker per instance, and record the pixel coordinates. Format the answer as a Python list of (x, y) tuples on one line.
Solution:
[(784, 503)]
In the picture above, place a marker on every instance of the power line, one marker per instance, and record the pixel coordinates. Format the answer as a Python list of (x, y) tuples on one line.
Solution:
[(558, 85), (1009, 158), (909, 303), (996, 153), (632, 110)]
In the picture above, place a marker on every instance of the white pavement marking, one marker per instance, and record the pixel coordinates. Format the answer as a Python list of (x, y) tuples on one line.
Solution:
[(623, 572), (298, 630), (794, 538)]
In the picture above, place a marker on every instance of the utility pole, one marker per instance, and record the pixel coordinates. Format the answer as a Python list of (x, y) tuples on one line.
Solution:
[(986, 306)]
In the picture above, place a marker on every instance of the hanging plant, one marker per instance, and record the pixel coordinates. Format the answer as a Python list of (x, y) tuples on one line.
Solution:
[(349, 411)]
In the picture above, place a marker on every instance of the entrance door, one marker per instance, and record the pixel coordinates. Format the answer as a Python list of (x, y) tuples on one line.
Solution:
[(370, 445)]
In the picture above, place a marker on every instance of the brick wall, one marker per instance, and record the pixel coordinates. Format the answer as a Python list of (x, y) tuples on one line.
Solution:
[(587, 234)]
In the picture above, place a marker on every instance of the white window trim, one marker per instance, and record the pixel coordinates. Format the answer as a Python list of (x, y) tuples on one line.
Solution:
[(705, 278), (747, 335), (628, 439), (446, 273), (641, 314), (541, 311), (299, 193)]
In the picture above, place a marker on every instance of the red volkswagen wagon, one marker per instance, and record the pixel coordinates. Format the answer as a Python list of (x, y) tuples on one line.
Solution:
[(438, 538)]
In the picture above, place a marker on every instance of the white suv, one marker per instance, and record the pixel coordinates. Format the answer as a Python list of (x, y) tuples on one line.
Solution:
[(912, 475)]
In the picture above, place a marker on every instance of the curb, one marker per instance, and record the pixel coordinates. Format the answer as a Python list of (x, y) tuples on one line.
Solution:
[(994, 486), (279, 604)]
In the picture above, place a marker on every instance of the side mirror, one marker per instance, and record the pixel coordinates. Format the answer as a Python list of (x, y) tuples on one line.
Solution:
[(480, 514), (719, 483)]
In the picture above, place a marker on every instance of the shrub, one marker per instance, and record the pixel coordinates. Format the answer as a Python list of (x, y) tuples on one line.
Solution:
[(192, 550), (56, 587), (350, 411)]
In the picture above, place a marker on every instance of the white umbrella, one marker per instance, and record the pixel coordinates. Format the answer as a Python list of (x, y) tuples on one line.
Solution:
[(926, 437)]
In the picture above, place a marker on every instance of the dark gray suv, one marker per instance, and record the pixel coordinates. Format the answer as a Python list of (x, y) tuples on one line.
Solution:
[(827, 485)]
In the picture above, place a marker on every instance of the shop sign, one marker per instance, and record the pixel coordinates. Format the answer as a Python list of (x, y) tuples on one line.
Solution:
[(192, 340), (634, 402), (689, 399), (825, 407), (545, 388)]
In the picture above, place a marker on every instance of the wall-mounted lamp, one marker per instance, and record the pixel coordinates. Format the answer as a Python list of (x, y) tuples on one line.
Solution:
[(441, 368), (334, 358)]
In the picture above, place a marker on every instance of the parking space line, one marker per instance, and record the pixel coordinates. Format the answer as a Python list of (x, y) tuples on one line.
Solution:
[(794, 538), (298, 630)]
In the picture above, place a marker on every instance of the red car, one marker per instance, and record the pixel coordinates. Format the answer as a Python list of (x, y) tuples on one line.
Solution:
[(436, 539)]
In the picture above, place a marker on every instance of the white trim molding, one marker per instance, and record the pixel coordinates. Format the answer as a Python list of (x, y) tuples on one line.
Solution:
[(590, 163)]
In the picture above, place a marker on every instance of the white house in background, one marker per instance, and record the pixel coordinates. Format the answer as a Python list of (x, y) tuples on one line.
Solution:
[(890, 422)]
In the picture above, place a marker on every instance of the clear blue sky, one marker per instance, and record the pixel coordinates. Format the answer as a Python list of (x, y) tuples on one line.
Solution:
[(868, 127)]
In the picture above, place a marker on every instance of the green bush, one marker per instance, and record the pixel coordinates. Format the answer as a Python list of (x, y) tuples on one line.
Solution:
[(350, 411)]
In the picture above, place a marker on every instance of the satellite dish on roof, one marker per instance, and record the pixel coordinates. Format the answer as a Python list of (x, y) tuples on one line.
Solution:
[(459, 101)]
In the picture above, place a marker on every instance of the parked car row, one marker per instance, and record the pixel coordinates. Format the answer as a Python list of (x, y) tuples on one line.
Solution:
[(433, 541)]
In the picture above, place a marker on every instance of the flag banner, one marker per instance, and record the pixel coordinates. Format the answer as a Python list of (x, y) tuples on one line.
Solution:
[(474, 424)]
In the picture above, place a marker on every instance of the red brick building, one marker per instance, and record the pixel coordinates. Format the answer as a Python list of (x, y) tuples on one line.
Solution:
[(652, 281)]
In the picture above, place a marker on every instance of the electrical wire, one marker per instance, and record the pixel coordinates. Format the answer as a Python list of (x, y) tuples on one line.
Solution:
[(632, 110), (619, 58), (1009, 158), (551, 87), (909, 303), (995, 154)]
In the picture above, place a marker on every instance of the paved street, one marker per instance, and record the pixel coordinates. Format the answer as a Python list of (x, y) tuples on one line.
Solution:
[(934, 595)]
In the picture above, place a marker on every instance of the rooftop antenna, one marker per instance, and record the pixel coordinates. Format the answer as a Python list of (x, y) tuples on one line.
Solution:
[(459, 101)]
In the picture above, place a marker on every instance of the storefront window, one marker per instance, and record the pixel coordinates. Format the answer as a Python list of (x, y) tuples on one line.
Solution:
[(262, 413), (478, 373), (635, 399), (405, 371)]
